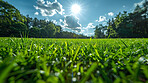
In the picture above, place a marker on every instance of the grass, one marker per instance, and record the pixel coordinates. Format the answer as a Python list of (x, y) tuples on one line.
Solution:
[(29, 60)]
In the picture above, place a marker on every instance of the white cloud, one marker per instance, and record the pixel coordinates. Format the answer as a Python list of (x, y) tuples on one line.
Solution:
[(61, 20), (82, 31), (89, 34), (124, 6), (36, 13), (47, 20), (110, 13), (88, 30), (71, 22), (140, 3), (104, 23), (101, 19), (90, 25), (49, 8), (54, 21)]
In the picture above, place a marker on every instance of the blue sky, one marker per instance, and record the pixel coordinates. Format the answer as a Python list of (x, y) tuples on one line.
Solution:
[(92, 13)]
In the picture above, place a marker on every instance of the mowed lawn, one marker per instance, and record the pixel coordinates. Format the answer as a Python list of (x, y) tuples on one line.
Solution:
[(37, 60)]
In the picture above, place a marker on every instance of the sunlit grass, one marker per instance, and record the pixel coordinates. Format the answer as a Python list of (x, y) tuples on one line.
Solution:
[(73, 60)]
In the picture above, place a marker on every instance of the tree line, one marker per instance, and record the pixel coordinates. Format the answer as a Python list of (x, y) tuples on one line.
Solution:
[(126, 25), (123, 25), (12, 23)]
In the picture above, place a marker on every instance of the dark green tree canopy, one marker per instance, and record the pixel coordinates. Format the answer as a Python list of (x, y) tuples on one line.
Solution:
[(127, 25), (12, 23)]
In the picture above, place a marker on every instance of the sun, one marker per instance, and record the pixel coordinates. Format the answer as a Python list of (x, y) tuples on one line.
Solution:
[(75, 9)]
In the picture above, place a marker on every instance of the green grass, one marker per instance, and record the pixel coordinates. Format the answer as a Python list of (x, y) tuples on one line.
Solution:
[(29, 60)]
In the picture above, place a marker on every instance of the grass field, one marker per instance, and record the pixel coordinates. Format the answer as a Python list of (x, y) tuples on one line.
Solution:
[(30, 60)]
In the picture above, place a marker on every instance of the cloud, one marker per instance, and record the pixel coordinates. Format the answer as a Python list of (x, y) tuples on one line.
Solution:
[(49, 8), (124, 6), (104, 23), (36, 13), (90, 25), (140, 3), (110, 13), (71, 22), (89, 34), (61, 20), (54, 21), (47, 20), (101, 19), (88, 30)]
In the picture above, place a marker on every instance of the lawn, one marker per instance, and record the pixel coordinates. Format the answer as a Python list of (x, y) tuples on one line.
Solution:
[(29, 60)]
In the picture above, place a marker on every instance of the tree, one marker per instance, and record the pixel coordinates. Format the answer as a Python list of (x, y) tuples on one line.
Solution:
[(137, 9), (35, 22), (99, 31), (14, 23), (34, 32), (8, 16), (18, 28), (28, 22), (129, 25), (58, 31)]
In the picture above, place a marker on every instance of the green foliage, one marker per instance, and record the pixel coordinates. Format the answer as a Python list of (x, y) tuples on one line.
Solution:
[(98, 31), (4, 70), (127, 25), (11, 20), (27, 60), (34, 32), (12, 23)]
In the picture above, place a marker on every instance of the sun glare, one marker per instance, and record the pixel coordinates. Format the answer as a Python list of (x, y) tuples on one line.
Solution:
[(75, 9)]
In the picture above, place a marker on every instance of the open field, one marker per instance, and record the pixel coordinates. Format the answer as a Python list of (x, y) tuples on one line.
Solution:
[(29, 60)]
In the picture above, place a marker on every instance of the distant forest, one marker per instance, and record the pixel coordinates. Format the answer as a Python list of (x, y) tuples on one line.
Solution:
[(124, 25), (14, 24)]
